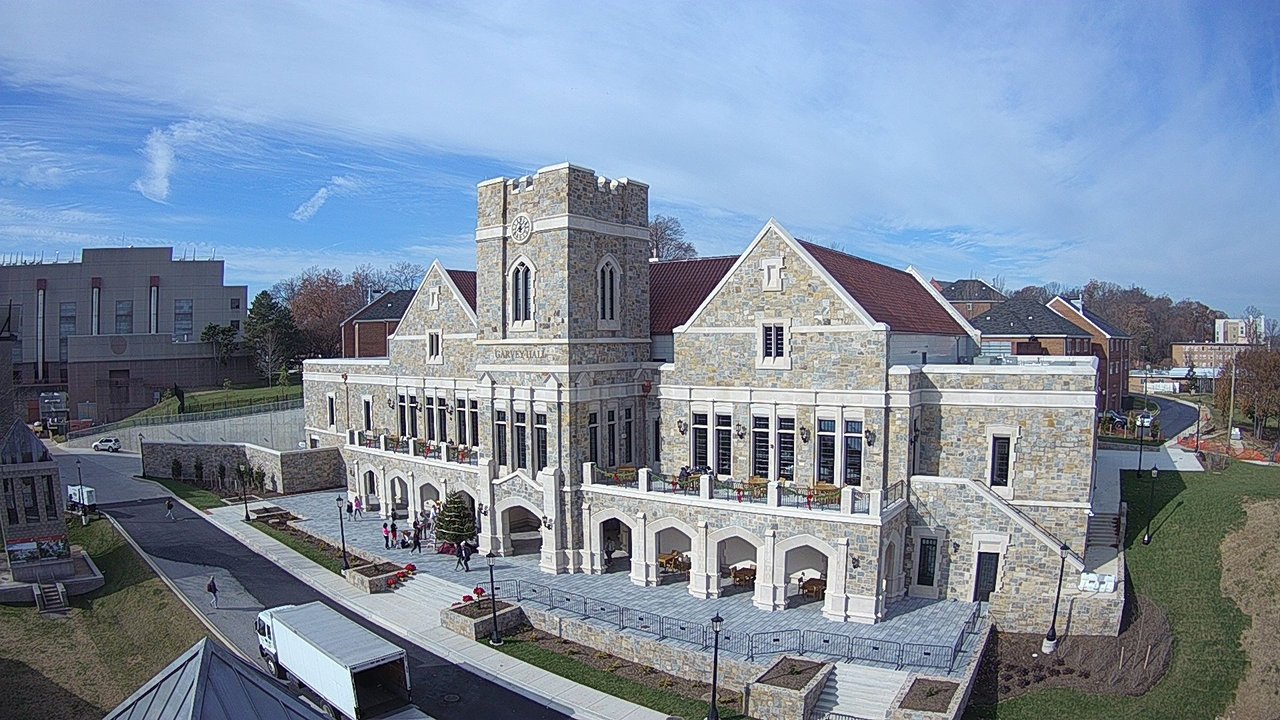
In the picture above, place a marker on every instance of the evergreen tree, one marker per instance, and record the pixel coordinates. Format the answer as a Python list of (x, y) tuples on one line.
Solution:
[(455, 522), (270, 332)]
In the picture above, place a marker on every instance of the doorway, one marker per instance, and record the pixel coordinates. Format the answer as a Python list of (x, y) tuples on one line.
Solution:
[(985, 583)]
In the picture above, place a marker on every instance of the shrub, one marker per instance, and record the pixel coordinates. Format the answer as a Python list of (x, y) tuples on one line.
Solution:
[(199, 471), (175, 469), (615, 665), (222, 474), (665, 682), (601, 655)]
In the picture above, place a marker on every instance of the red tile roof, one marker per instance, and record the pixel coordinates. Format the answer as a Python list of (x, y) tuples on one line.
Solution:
[(678, 287), (466, 282), (890, 296)]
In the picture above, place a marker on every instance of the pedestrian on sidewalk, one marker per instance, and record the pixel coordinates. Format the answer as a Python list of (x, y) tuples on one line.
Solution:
[(467, 550), (359, 507), (395, 537), (350, 511), (168, 509), (458, 551), (212, 589), (386, 536), (610, 547), (417, 540)]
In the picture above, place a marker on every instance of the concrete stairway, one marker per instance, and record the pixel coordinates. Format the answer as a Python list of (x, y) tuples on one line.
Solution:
[(858, 691), (51, 598), (435, 593), (1103, 530)]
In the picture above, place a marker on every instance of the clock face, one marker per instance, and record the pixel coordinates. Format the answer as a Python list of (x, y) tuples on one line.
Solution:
[(521, 228)]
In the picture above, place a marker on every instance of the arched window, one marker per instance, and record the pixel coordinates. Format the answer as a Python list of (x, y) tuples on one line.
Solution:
[(522, 292), (608, 280)]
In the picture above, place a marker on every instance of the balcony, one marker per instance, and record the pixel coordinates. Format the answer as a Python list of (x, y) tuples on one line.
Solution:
[(415, 447)]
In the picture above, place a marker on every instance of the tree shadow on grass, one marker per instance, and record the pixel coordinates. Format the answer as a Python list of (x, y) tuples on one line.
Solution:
[(32, 696)]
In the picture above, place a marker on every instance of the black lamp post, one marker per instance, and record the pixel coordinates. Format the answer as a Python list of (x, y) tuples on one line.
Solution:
[(495, 638), (342, 531), (713, 712), (141, 457), (1151, 504), (79, 477), (244, 492), (1051, 638)]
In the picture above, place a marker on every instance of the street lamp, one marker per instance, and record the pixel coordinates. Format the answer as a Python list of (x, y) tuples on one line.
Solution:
[(1151, 504), (142, 457), (342, 530), (244, 492), (713, 712), (79, 477), (1142, 416), (1050, 642), (495, 639)]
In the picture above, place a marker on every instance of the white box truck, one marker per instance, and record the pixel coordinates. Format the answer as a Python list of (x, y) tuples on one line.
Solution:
[(356, 673)]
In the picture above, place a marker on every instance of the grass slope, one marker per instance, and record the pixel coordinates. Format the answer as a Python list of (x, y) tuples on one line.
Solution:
[(111, 642), (1181, 570), (202, 499), (222, 399)]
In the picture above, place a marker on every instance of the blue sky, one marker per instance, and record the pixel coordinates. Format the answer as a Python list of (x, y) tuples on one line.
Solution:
[(1132, 142)]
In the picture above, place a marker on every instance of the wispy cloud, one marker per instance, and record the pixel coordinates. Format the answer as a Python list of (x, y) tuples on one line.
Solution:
[(28, 163), (337, 185), (163, 146)]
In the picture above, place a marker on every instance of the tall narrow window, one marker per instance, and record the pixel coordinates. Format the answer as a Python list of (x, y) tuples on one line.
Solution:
[(442, 418), (430, 413), (50, 499), (402, 414), (699, 441), (522, 440), (183, 320), (611, 432), (608, 292), (460, 419), (827, 451), (30, 510), (522, 292), (433, 347), (925, 566), (786, 441), (657, 440), (475, 422), (593, 437), (760, 446), (500, 436), (368, 414), (540, 440), (124, 317), (772, 344), (628, 440), (333, 411), (413, 416), (999, 461), (66, 327), (724, 445), (853, 452)]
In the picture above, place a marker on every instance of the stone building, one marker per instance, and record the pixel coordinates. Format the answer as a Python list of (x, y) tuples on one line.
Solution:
[(795, 412)]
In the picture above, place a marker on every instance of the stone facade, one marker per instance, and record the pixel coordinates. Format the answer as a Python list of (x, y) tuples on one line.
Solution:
[(291, 471), (770, 702), (533, 395)]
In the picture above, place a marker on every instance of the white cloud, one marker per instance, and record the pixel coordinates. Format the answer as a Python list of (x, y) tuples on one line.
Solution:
[(162, 147), (336, 185)]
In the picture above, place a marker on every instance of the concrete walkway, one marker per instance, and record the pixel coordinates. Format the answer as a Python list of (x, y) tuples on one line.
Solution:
[(417, 619)]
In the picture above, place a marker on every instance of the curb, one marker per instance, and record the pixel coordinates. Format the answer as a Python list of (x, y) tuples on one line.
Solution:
[(213, 629)]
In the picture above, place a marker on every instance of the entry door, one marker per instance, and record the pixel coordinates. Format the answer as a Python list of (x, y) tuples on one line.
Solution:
[(988, 564)]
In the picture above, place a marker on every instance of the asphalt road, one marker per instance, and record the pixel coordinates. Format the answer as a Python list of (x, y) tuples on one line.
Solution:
[(1174, 416), (189, 549)]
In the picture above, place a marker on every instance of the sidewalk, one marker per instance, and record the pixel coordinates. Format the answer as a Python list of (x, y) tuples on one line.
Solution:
[(406, 616)]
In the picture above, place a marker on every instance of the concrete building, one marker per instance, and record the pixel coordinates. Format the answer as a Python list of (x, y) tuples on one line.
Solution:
[(794, 412), (1205, 354), (117, 328), (1111, 346), (1240, 331), (365, 333)]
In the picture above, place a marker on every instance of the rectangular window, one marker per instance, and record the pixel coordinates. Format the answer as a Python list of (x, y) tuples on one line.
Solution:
[(928, 558), (368, 414), (235, 303), (593, 437), (522, 440), (772, 344), (413, 415), (999, 462), (827, 451), (699, 441), (183, 320), (66, 327), (628, 456), (724, 445), (853, 452), (442, 418), (786, 440), (460, 419), (540, 440), (500, 436), (333, 411), (235, 325), (433, 347), (124, 317), (50, 499), (402, 414), (430, 413), (475, 422), (760, 446), (657, 440), (30, 511), (612, 432)]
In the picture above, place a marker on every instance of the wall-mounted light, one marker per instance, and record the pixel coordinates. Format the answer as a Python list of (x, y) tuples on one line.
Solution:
[(871, 438), (682, 426), (547, 522), (740, 430), (450, 409), (855, 562), (391, 403), (804, 434), (955, 547)]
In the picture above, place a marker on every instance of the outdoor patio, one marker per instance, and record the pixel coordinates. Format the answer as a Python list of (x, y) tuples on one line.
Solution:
[(920, 627)]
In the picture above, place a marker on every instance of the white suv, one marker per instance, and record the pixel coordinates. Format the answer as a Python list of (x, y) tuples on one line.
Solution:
[(110, 444)]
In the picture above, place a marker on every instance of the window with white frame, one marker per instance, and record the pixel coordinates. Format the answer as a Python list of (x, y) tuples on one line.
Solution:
[(724, 444), (434, 347), (826, 451), (500, 436), (474, 406), (608, 287), (442, 418), (853, 452), (700, 453), (368, 414), (771, 274), (628, 440), (433, 297), (402, 413), (521, 286), (774, 345), (611, 432), (1000, 452), (413, 415), (429, 411), (785, 439), (926, 561), (522, 439), (593, 437), (331, 405), (760, 446), (540, 457), (460, 418)]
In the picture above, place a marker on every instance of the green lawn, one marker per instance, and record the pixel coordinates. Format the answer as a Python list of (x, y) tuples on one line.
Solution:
[(309, 550), (1181, 570), (607, 682), (110, 643), (202, 499), (223, 399)]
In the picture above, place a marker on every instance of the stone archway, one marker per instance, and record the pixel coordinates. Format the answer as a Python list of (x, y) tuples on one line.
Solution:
[(670, 552), (369, 488), (801, 570), (399, 500), (519, 527), (428, 493), (733, 560)]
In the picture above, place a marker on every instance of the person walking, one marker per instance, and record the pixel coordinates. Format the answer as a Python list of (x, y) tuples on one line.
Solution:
[(386, 537), (467, 549), (395, 534), (417, 540), (459, 553), (610, 547), (359, 507), (168, 509), (212, 589), (350, 511)]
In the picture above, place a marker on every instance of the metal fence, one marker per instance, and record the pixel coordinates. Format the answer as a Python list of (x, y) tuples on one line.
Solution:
[(150, 420), (748, 645)]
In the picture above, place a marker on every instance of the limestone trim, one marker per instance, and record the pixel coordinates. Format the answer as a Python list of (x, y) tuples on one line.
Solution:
[(1014, 434), (609, 288), (569, 221), (800, 397), (524, 302), (799, 250), (1056, 399), (565, 341), (918, 534), (987, 542), (736, 507), (447, 281), (767, 357)]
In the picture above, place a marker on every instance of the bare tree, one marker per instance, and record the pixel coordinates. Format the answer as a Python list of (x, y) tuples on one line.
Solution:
[(405, 275), (666, 240), (1253, 331)]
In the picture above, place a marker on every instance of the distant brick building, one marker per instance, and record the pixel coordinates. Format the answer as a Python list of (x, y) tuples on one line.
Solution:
[(1110, 346), (365, 333), (971, 297), (1206, 354)]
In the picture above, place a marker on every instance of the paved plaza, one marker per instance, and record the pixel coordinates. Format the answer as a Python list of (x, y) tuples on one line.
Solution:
[(912, 620)]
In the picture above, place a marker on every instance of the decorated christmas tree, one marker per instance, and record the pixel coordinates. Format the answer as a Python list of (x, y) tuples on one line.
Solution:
[(456, 522)]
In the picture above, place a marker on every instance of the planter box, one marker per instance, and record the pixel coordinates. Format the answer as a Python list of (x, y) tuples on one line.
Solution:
[(370, 584), (770, 702), (509, 618)]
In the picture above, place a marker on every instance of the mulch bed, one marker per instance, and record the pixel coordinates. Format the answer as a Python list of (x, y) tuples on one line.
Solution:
[(310, 541), (1129, 664), (376, 570), (929, 695), (641, 674), (478, 609), (791, 673)]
